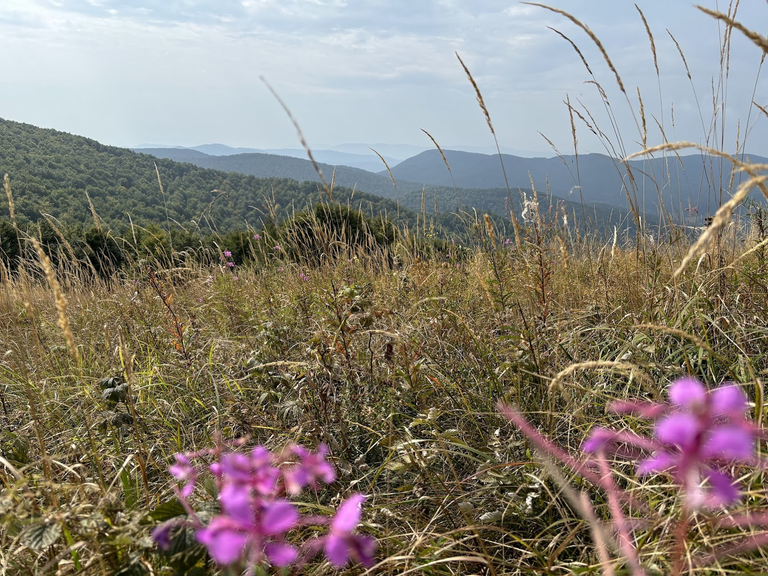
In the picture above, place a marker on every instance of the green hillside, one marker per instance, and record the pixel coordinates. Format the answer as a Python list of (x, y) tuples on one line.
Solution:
[(55, 173), (277, 166), (443, 196)]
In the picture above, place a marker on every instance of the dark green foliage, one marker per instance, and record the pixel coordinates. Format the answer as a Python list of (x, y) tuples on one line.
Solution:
[(331, 228), (56, 173), (9, 243), (104, 253)]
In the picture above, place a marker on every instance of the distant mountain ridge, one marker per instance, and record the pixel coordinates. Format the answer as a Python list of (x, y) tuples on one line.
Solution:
[(264, 165), (494, 199), (365, 161), (692, 181)]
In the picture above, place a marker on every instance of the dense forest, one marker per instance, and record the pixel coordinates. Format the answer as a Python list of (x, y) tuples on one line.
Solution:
[(71, 178)]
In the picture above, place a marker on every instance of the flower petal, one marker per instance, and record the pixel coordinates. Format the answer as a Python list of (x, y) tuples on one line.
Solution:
[(365, 549), (336, 550), (679, 429), (348, 515), (599, 439), (724, 491), (659, 462), (236, 502), (687, 392), (162, 535), (729, 400), (731, 442), (225, 544), (280, 553), (279, 517)]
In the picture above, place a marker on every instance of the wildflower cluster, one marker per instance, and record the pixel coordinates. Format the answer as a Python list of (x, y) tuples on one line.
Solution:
[(698, 438), (256, 514), (227, 258), (695, 436)]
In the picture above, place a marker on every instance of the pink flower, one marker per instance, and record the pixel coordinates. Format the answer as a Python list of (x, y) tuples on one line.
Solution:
[(249, 532), (184, 472), (695, 435), (255, 471), (309, 469), (227, 254), (257, 236), (231, 264), (256, 516), (341, 544)]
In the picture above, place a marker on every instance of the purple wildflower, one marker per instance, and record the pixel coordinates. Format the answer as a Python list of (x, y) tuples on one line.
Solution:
[(255, 470), (277, 248), (184, 472), (255, 514), (162, 535), (694, 436), (227, 254), (309, 469), (250, 530), (341, 544), (257, 236), (231, 264)]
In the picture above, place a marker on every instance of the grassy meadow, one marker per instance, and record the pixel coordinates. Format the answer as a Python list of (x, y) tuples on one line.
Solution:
[(395, 356)]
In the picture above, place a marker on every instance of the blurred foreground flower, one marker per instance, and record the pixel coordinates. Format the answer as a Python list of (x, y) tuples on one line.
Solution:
[(695, 437), (698, 437), (256, 516)]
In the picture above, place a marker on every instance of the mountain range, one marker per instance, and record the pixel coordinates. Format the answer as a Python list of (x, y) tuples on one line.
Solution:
[(364, 158), (72, 178), (686, 187), (678, 183), (445, 198)]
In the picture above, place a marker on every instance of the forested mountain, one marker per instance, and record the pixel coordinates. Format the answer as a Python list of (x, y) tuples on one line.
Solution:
[(409, 194), (369, 162), (685, 181), (56, 173)]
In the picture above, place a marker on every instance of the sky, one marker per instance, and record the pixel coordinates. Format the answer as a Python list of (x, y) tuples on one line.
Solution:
[(189, 72)]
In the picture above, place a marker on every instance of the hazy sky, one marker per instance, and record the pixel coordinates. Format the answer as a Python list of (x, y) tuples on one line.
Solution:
[(187, 72)]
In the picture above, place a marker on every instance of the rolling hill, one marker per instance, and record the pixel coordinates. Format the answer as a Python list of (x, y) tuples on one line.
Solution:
[(494, 199), (368, 161), (685, 181), (273, 166), (69, 177), (61, 175)]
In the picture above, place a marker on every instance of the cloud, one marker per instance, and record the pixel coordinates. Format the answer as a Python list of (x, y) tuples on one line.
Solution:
[(365, 56)]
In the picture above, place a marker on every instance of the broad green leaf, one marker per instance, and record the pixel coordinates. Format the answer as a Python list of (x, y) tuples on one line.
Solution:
[(165, 511), (40, 535)]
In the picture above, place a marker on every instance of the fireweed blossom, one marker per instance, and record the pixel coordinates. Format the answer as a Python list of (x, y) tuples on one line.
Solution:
[(256, 515), (698, 435), (695, 437)]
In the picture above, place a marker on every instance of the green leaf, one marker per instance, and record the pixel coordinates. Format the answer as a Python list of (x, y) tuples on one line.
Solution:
[(129, 488), (186, 552), (40, 535), (165, 511)]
